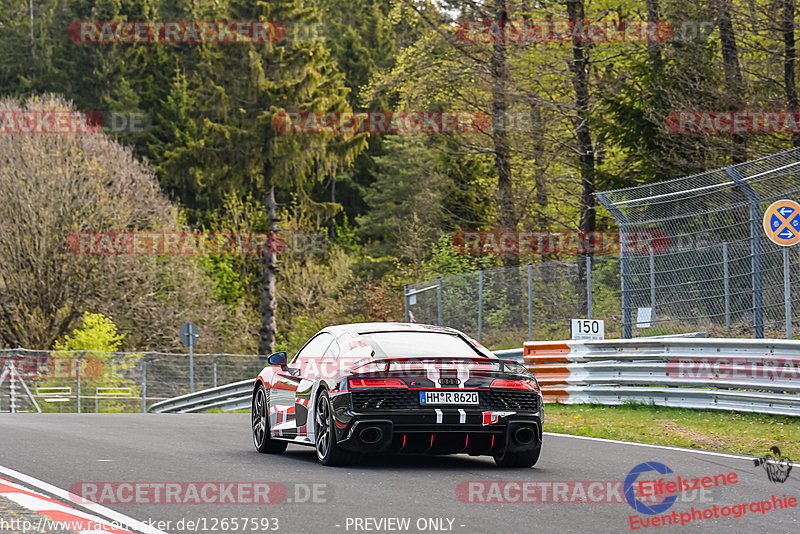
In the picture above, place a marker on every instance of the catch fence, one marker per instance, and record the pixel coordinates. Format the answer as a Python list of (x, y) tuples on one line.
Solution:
[(502, 306), (94, 381), (712, 267), (693, 256)]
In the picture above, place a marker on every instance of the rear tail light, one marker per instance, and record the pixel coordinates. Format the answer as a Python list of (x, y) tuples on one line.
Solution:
[(363, 383), (514, 384)]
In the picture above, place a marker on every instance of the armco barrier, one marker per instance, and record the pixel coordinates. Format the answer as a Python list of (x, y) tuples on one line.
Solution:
[(235, 396), (746, 375)]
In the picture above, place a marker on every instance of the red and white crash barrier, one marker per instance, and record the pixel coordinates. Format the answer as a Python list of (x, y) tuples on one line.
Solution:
[(750, 375)]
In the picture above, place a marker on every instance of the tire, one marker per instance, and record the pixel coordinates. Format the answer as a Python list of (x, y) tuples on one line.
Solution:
[(518, 459), (328, 451), (259, 418)]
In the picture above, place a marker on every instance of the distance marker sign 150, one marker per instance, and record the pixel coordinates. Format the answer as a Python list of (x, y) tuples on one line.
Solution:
[(782, 222)]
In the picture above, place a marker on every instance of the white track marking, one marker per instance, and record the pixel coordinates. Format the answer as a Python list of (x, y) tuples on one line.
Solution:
[(665, 447), (123, 520)]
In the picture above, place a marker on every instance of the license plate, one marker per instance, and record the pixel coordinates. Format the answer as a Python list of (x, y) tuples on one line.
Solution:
[(448, 397)]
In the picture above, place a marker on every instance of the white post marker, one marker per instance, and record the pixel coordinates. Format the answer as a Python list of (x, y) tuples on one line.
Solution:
[(587, 329)]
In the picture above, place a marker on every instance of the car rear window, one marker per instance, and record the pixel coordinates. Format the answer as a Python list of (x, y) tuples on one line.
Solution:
[(419, 344)]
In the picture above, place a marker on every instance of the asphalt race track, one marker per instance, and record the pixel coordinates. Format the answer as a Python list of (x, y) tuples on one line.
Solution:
[(431, 493)]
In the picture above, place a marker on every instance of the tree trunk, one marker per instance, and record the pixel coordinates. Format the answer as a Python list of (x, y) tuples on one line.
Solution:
[(580, 82), (653, 47), (789, 57), (733, 73), (502, 151), (266, 344), (539, 168)]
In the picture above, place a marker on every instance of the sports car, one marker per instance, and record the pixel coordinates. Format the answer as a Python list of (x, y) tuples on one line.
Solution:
[(386, 388)]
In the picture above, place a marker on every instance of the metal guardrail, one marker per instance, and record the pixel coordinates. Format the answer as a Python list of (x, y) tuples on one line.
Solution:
[(237, 396), (648, 370)]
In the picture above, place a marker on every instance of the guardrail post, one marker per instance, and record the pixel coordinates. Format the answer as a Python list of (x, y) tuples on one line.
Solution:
[(439, 300), (144, 384), (787, 293), (589, 286), (530, 302), (624, 265), (755, 249), (726, 283), (480, 306), (405, 300)]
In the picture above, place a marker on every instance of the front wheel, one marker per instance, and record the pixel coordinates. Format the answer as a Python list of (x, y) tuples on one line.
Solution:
[(518, 459), (259, 412), (328, 451)]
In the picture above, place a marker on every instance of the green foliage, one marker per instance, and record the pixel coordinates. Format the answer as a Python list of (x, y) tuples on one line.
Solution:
[(95, 341), (96, 333), (227, 284)]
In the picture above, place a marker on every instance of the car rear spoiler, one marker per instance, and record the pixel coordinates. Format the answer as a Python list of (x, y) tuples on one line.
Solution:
[(503, 363)]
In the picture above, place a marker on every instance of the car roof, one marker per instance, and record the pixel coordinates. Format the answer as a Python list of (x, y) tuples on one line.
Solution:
[(364, 328)]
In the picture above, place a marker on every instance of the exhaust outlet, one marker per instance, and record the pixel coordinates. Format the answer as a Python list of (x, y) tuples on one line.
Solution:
[(524, 435), (370, 435)]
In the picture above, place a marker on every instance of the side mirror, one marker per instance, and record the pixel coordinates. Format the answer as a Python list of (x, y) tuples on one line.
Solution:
[(279, 358)]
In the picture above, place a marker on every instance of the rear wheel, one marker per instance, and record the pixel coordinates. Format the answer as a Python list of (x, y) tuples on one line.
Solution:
[(518, 459), (328, 451), (262, 436)]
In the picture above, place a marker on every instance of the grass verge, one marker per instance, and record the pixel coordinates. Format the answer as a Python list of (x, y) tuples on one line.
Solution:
[(737, 433)]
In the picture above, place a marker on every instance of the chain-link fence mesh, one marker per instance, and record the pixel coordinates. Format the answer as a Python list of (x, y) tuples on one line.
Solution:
[(694, 256), (712, 267), (110, 381), (504, 306)]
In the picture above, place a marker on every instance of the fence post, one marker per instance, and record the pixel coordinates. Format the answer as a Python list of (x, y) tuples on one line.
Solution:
[(652, 287), (624, 265), (480, 306), (78, 383), (214, 366), (144, 383), (787, 293), (589, 286), (726, 283), (405, 301), (439, 300), (755, 249), (530, 302), (12, 387)]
